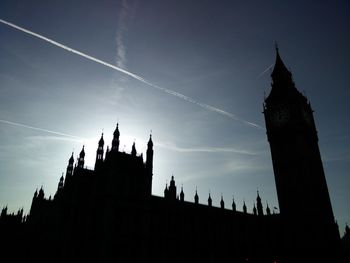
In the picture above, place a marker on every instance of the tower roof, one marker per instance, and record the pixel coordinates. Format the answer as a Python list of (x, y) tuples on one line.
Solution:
[(279, 67), (283, 87), (116, 131), (71, 159), (222, 202), (281, 76), (101, 141), (182, 194), (82, 152), (196, 198), (258, 199), (133, 150), (41, 193), (150, 142)]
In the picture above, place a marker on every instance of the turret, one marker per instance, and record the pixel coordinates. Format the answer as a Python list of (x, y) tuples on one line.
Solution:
[(172, 189), (196, 198), (166, 191), (210, 201), (99, 153), (259, 205), (59, 187), (3, 212), (149, 156), (133, 150), (34, 205), (19, 215), (268, 211), (71, 159), (115, 141), (81, 158), (233, 205), (244, 208), (222, 203), (182, 195), (69, 171), (41, 194), (60, 183)]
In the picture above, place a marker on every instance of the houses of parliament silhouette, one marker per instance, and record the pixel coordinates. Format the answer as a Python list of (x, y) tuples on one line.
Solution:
[(109, 214)]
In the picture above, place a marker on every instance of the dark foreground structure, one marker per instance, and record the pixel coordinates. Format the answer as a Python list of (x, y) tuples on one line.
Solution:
[(110, 215)]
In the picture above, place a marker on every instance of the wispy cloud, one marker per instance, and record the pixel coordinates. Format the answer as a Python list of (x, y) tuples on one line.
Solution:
[(55, 138), (137, 77), (173, 147), (72, 137), (336, 158), (245, 166), (124, 16), (128, 139)]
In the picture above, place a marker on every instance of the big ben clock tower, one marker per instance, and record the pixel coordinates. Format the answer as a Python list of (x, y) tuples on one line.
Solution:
[(308, 225)]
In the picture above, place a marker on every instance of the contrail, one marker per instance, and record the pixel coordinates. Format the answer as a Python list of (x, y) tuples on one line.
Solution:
[(41, 129), (134, 76), (262, 73)]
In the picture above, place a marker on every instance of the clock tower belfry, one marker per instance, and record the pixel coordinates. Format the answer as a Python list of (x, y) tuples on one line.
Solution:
[(305, 207)]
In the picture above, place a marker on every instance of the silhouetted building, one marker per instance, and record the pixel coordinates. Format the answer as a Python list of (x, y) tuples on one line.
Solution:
[(346, 242), (109, 214), (309, 227)]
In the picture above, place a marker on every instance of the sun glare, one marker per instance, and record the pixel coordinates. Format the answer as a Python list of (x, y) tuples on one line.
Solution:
[(125, 145)]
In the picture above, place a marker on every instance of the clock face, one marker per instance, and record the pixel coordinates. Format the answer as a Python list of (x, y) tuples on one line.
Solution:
[(280, 116)]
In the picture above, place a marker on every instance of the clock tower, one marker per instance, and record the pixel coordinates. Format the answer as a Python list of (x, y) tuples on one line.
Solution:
[(308, 225)]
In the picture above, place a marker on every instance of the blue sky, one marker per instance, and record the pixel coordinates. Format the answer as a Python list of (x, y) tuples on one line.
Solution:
[(215, 54)]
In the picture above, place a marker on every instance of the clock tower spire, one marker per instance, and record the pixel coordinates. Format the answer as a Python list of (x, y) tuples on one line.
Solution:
[(306, 211)]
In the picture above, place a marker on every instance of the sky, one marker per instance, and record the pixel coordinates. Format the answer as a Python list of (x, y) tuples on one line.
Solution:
[(192, 73)]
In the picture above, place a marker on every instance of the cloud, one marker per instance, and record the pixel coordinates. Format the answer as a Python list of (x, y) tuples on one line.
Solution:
[(173, 147), (245, 166), (55, 138), (124, 17), (72, 137), (137, 77), (167, 145), (336, 158)]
